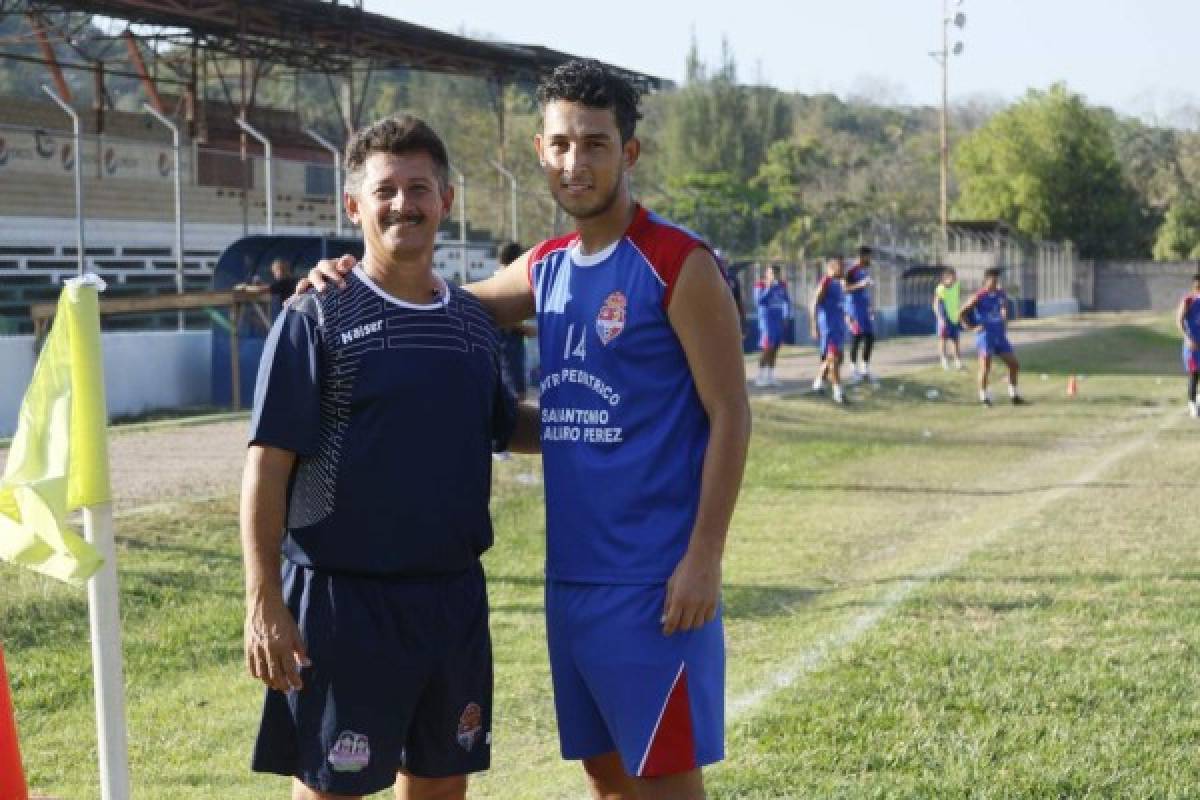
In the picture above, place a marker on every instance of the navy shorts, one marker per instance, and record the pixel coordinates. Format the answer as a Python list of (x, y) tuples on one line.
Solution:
[(621, 685), (401, 678)]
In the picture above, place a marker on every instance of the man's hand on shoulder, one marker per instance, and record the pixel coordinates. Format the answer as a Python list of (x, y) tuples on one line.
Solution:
[(327, 271)]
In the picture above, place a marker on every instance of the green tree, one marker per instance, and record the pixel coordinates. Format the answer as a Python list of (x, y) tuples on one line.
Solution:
[(1049, 166), (1179, 236)]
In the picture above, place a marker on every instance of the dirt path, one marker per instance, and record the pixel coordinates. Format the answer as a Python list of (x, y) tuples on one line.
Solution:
[(171, 462)]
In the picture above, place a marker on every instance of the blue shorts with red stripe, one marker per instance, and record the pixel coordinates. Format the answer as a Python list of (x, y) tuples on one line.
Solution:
[(861, 325), (948, 330), (1191, 359), (770, 332), (621, 685), (830, 342)]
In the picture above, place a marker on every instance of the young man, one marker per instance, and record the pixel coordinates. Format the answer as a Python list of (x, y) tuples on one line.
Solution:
[(828, 326), (946, 309), (645, 426), (1188, 319), (860, 315), (369, 467), (990, 307), (774, 310)]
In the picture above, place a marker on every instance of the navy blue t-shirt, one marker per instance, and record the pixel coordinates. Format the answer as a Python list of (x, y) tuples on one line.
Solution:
[(393, 411)]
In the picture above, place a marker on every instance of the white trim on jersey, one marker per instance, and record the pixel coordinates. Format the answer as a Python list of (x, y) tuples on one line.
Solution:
[(443, 292), (648, 264), (585, 260)]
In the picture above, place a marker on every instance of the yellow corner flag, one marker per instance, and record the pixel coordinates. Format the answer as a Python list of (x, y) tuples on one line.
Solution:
[(58, 461)]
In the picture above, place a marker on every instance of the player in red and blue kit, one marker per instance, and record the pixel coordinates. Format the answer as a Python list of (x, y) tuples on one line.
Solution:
[(1188, 319), (774, 310), (860, 316), (645, 426), (827, 324), (989, 309)]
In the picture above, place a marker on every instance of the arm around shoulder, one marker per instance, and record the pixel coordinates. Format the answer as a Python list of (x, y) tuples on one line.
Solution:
[(507, 294)]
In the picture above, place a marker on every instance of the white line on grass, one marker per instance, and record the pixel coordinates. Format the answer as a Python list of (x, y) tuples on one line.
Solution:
[(815, 656)]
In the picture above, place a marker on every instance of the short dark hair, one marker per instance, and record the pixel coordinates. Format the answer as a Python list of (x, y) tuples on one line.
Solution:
[(508, 253), (865, 250), (993, 272), (594, 85), (1196, 278), (397, 135), (950, 271)]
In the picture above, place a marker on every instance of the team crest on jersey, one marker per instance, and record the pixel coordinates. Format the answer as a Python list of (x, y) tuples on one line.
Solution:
[(611, 319), (470, 726), (350, 753)]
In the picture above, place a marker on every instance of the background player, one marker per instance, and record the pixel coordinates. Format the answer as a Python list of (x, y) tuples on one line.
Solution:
[(860, 315), (989, 306), (1188, 319), (828, 326), (774, 310), (946, 304)]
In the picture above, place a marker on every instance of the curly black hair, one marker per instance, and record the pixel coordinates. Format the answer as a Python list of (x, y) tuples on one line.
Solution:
[(592, 84), (398, 135)]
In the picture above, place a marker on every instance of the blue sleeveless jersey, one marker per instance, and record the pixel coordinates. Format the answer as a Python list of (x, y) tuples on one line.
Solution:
[(830, 311), (623, 431), (989, 311)]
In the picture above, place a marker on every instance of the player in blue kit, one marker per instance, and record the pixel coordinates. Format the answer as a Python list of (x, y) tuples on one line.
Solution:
[(645, 425), (375, 416), (989, 308), (827, 324), (643, 395), (774, 310), (860, 315), (1188, 319)]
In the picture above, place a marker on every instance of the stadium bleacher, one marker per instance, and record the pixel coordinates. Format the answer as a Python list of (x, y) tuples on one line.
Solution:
[(128, 191)]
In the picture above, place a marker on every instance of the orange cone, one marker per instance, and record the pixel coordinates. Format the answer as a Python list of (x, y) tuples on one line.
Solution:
[(12, 778), (1072, 386)]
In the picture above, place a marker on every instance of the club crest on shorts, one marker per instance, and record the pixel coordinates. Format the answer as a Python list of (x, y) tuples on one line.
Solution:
[(611, 319), (351, 752), (470, 725)]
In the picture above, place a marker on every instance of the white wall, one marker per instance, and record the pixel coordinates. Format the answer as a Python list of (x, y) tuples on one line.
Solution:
[(143, 371)]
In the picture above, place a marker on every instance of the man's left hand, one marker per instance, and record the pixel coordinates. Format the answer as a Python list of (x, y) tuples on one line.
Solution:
[(693, 594)]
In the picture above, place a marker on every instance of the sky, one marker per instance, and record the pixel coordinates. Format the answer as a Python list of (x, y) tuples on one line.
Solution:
[(1140, 57)]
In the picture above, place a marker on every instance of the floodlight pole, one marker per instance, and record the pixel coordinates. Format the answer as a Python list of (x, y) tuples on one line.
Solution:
[(337, 174), (266, 143), (75, 124), (462, 221), (512, 181), (154, 112)]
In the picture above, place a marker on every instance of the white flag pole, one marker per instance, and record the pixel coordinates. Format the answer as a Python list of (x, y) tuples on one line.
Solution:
[(104, 620), (105, 623)]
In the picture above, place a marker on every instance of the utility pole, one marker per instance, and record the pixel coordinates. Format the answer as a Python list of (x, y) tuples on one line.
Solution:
[(959, 20)]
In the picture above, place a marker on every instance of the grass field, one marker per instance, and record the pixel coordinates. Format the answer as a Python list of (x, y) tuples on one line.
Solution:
[(924, 599)]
